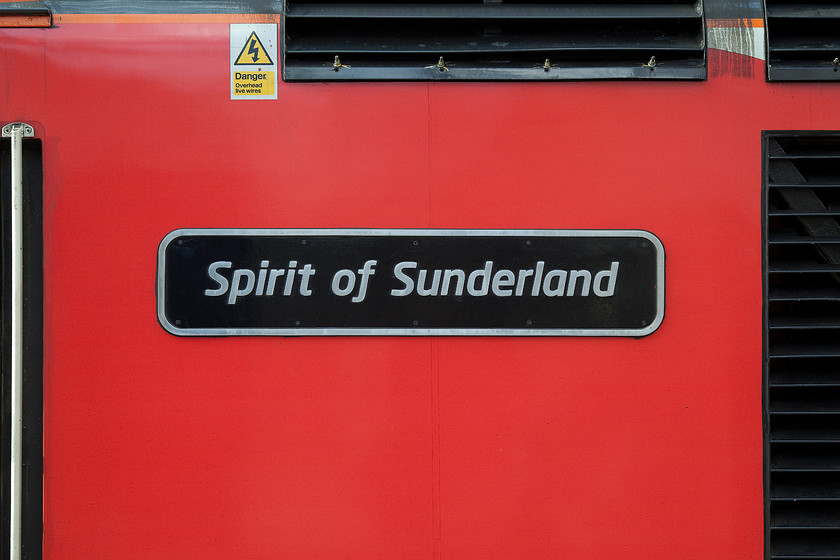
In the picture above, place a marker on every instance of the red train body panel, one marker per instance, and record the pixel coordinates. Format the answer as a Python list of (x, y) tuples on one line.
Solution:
[(157, 446)]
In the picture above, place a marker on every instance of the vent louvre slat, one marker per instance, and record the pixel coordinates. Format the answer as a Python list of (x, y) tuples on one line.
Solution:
[(492, 11), (802, 11), (803, 470), (820, 557), (801, 156), (360, 44), (803, 514), (794, 266), (808, 557), (802, 333), (792, 427), (802, 41), (804, 399), (804, 321), (804, 372), (809, 542), (826, 212), (806, 43), (823, 486), (804, 185), (792, 237), (797, 455), (815, 292), (500, 40), (804, 350)]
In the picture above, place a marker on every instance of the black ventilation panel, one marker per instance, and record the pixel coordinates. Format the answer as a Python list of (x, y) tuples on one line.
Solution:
[(494, 40), (802, 334), (803, 40)]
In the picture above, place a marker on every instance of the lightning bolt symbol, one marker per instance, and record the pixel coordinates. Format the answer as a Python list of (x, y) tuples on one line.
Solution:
[(254, 50)]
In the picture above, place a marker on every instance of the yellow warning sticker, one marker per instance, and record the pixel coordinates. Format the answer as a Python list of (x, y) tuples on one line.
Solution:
[(253, 52), (253, 83), (253, 61)]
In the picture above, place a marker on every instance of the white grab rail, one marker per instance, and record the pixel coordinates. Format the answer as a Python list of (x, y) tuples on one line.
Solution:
[(17, 131)]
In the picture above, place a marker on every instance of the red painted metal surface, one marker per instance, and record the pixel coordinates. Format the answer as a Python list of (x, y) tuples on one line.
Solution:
[(164, 447)]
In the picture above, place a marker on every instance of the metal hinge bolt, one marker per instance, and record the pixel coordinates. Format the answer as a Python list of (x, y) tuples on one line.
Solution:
[(28, 131)]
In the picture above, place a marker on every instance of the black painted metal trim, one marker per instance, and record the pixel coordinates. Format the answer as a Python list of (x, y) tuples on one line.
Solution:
[(157, 6), (33, 407), (716, 9), (493, 11), (733, 9), (806, 55), (808, 534), (317, 49), (24, 9), (765, 384), (324, 72)]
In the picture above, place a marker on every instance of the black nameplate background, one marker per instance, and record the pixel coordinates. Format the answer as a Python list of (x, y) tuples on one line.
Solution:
[(635, 308)]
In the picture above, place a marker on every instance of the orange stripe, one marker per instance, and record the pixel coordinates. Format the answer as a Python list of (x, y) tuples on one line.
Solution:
[(735, 22), (167, 18), (11, 20)]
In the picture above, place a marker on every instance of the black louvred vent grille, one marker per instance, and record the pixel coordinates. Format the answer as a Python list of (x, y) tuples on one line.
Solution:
[(803, 41), (802, 333), (493, 40)]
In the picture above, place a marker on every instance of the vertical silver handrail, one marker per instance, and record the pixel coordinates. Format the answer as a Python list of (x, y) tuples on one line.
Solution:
[(17, 132)]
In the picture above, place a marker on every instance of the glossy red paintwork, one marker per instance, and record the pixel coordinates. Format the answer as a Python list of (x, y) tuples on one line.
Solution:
[(164, 447)]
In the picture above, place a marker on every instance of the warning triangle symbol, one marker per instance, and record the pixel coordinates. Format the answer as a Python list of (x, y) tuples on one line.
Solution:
[(253, 52)]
